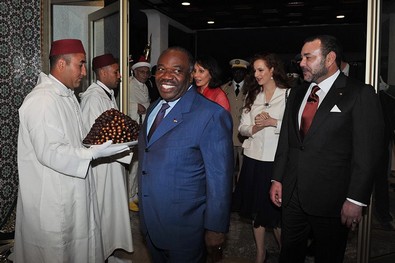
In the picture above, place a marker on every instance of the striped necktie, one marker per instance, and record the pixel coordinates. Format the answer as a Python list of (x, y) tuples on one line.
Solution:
[(159, 117), (309, 111)]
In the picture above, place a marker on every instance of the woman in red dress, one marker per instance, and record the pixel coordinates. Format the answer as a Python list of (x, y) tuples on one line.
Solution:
[(206, 74)]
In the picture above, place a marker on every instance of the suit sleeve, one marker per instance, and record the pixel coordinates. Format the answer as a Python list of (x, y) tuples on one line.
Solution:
[(246, 124), (217, 152), (368, 132), (281, 157)]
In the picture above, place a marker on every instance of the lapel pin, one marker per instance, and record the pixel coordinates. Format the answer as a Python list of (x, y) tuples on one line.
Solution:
[(175, 121), (341, 93)]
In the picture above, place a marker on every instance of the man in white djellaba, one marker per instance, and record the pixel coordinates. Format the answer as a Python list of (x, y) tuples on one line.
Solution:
[(139, 101), (57, 218), (109, 174)]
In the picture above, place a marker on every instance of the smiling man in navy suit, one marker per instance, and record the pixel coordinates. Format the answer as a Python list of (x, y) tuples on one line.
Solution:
[(323, 174), (186, 167)]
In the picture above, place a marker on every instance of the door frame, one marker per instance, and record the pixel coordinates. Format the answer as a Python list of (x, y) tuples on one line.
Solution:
[(121, 7)]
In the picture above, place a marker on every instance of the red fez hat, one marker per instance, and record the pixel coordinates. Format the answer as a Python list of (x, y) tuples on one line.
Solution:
[(141, 63), (103, 60), (66, 46)]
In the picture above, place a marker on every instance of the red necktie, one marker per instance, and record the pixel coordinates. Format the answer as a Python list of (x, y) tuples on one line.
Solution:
[(309, 111), (159, 117)]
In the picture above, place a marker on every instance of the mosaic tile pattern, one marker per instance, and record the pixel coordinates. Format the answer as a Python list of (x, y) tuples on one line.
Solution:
[(19, 67)]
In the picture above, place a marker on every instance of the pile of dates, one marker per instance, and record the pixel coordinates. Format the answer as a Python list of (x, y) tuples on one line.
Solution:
[(112, 125)]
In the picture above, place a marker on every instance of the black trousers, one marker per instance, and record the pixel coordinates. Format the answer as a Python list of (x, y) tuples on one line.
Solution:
[(329, 234), (190, 255)]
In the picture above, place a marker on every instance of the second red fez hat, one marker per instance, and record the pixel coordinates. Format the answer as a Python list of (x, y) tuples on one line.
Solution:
[(66, 46), (103, 60)]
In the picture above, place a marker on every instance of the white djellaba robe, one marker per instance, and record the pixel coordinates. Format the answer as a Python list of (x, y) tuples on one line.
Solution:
[(110, 178), (138, 94), (57, 218)]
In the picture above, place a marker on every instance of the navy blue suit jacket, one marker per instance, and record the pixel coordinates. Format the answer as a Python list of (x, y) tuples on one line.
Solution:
[(185, 173)]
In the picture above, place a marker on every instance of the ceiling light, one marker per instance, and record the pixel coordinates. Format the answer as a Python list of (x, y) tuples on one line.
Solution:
[(340, 16), (296, 3), (210, 22), (185, 3)]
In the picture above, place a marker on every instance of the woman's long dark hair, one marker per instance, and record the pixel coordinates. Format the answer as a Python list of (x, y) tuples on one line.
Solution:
[(210, 64), (251, 86)]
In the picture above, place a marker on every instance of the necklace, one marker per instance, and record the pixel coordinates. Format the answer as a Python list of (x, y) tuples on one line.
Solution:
[(267, 99)]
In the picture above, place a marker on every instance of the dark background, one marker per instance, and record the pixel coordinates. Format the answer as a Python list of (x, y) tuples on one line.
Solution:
[(226, 44)]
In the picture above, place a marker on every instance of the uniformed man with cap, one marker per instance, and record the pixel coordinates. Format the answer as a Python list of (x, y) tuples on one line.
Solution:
[(236, 97), (57, 218), (109, 174)]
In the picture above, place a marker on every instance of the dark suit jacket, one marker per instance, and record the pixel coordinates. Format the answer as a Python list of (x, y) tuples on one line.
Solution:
[(336, 160), (357, 71), (185, 173)]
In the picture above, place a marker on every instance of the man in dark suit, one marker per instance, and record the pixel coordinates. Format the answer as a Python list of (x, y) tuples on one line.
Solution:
[(185, 168), (323, 173)]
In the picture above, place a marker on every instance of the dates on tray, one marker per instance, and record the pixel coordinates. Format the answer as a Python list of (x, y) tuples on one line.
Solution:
[(112, 125)]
